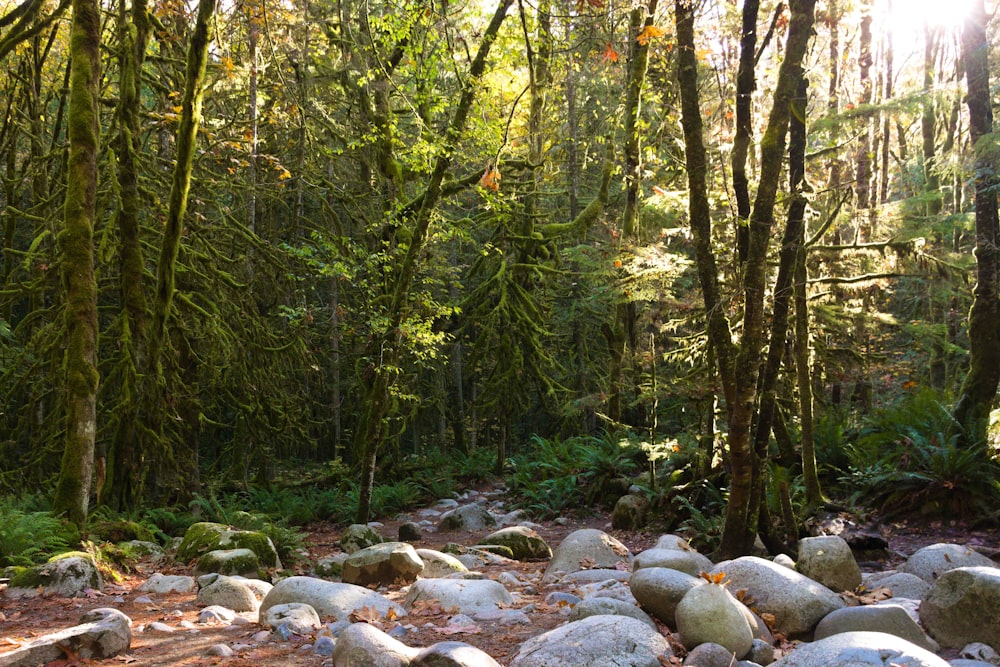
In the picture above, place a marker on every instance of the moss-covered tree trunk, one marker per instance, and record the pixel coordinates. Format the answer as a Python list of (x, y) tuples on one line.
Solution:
[(385, 349), (745, 84), (187, 134), (980, 386), (72, 495)]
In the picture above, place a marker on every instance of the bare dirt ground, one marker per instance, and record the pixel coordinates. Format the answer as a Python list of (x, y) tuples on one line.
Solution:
[(23, 620)]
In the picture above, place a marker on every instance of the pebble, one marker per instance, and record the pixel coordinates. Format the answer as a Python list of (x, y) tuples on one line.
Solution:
[(158, 626), (324, 645), (220, 650)]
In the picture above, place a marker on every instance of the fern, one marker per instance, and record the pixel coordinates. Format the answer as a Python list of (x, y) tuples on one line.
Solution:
[(27, 538)]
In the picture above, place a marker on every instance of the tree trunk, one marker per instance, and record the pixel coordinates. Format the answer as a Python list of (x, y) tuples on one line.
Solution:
[(745, 85), (72, 495), (928, 129), (980, 386)]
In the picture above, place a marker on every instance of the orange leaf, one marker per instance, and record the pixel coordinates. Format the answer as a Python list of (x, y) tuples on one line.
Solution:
[(648, 33), (609, 54), (490, 179)]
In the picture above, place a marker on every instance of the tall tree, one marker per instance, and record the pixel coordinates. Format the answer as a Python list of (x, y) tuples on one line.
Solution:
[(77, 257)]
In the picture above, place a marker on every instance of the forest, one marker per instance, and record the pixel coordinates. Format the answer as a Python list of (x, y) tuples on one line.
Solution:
[(324, 260)]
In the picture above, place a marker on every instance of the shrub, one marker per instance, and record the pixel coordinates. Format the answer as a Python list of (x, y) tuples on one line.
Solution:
[(27, 538)]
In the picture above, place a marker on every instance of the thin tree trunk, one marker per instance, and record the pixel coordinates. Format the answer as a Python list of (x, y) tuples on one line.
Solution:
[(928, 125), (72, 495), (745, 85)]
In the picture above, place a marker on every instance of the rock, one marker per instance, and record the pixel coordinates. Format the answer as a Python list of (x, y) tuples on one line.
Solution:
[(709, 655), (144, 548), (167, 583), (299, 617), (761, 652), (65, 575), (363, 645), (230, 592), (330, 567), (900, 584), (963, 606), (220, 651), (671, 541), (710, 613), (596, 641), (497, 550), (586, 549), (216, 614), (452, 654), (860, 649), (630, 513), (329, 598), (608, 589), (593, 576), (931, 562), (829, 560), (797, 602), (467, 518), (890, 619), (474, 597), (658, 590), (382, 564), (524, 543), (603, 606), (410, 532), (357, 537), (203, 537), (242, 562), (982, 652), (102, 633), (784, 560), (689, 561), (438, 564)]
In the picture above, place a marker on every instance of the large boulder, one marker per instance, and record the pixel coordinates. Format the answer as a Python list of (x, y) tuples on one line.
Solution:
[(889, 618), (688, 561), (362, 645), (630, 512), (524, 543), (299, 618), (453, 654), (585, 549), (659, 590), (242, 562), (899, 584), (203, 537), (382, 564), (330, 599), (467, 517), (358, 536), (438, 564), (605, 606), (596, 641), (829, 560), (796, 602), (710, 614), (931, 562), (66, 575), (234, 593), (474, 597), (963, 607), (102, 633), (860, 649), (167, 583)]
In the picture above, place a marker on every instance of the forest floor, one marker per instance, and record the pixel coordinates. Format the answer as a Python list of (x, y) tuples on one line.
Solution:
[(22, 620)]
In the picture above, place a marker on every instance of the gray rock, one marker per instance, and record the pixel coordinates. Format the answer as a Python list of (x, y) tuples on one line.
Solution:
[(596, 641), (761, 652), (358, 536), (616, 590), (586, 549), (438, 564), (963, 606), (243, 562), (797, 602), (962, 662), (671, 541), (216, 614), (604, 606), (382, 564), (687, 561), (982, 652), (410, 532), (474, 597), (452, 654), (828, 559), (102, 633), (931, 562), (363, 645), (630, 512), (593, 576), (710, 614), (329, 598), (709, 655), (900, 584), (167, 583), (220, 651), (299, 617), (658, 590), (891, 619), (200, 538), (784, 560), (228, 592), (68, 575), (524, 543), (860, 649), (330, 567), (468, 518)]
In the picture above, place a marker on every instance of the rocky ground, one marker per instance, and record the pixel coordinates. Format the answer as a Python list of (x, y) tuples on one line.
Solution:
[(166, 632)]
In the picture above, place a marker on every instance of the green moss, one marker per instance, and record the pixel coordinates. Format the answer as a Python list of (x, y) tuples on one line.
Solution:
[(120, 531), (242, 562), (28, 577), (204, 537)]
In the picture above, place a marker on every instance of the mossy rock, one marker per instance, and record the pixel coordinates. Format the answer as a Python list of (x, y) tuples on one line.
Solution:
[(358, 536), (120, 531), (67, 574), (523, 543), (242, 562), (331, 567), (496, 549), (630, 513), (203, 537)]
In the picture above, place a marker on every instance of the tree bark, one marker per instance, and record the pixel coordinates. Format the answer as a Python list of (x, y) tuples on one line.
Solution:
[(72, 495), (745, 85), (980, 386)]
